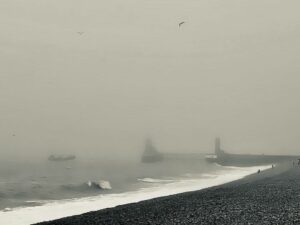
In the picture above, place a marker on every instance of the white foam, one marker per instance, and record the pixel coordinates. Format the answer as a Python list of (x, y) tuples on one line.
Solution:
[(89, 183), (63, 208), (104, 184), (152, 180)]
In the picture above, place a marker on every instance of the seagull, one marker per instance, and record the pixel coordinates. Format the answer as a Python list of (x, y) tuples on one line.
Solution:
[(80, 32), (181, 23)]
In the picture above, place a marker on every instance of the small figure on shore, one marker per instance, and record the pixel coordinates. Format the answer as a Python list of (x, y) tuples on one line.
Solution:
[(272, 166), (258, 172), (298, 162)]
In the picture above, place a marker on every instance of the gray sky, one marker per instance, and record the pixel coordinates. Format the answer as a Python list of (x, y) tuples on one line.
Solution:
[(232, 70)]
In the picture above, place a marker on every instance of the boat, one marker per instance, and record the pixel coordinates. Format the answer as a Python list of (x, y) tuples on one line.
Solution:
[(60, 158)]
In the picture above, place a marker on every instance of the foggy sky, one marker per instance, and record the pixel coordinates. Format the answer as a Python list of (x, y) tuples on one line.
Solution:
[(232, 70)]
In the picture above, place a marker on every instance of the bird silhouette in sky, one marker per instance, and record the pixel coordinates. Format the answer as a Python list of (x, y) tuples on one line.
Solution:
[(80, 32), (181, 23)]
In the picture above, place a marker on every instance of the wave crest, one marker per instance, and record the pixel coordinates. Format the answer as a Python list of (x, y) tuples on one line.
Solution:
[(89, 186), (152, 180)]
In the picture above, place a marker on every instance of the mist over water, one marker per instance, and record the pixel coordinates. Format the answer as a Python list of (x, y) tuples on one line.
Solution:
[(231, 70), (30, 184)]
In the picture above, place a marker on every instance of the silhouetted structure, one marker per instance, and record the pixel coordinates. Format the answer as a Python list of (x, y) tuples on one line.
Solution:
[(150, 153), (223, 158)]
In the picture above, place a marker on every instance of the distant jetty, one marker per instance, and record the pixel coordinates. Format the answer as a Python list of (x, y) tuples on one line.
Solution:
[(226, 159), (221, 157)]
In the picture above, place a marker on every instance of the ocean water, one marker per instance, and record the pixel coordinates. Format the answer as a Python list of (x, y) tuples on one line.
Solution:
[(35, 192)]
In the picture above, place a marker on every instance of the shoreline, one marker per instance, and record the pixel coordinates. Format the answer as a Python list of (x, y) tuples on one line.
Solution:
[(184, 208), (270, 197), (61, 209)]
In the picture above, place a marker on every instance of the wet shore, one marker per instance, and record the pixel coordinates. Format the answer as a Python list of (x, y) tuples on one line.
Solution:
[(270, 197)]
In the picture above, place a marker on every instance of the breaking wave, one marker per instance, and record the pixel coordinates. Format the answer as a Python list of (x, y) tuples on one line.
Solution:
[(88, 186), (62, 208), (152, 180)]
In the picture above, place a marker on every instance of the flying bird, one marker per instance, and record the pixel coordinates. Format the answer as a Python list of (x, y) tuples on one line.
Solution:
[(181, 23), (80, 32)]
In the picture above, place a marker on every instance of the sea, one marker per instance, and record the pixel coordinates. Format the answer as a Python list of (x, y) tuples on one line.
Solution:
[(32, 192)]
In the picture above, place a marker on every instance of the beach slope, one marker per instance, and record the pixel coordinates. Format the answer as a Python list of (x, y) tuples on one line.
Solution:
[(270, 197)]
